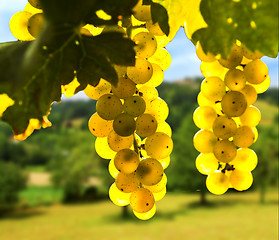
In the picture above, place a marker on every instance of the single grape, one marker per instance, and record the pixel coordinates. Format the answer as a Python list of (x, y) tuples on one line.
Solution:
[(35, 4), (116, 142), (117, 197), (251, 117), (160, 195), (141, 72), (212, 69), (150, 171), (256, 71), (102, 148), (224, 127), (225, 151), (146, 215), (124, 125), (142, 200), (204, 141), (244, 137), (234, 58), (159, 145), (146, 125), (126, 161), (103, 87), (146, 44), (241, 180), (158, 108), (157, 76), (250, 94), (217, 183), (235, 79), (213, 88), (161, 57), (135, 106), (29, 8), (142, 12), (165, 128), (234, 104), (203, 101), (148, 93), (109, 106), (206, 163), (263, 86), (98, 126), (127, 183), (165, 162), (35, 24), (204, 117), (246, 160), (125, 88)]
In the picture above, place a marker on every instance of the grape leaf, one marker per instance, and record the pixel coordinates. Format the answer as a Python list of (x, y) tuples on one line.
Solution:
[(32, 72), (159, 14), (253, 22)]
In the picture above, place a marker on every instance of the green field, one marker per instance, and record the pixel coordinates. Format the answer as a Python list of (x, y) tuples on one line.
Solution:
[(236, 216)]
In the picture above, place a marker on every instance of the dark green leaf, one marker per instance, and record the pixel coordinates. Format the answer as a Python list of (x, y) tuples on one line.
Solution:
[(253, 22), (159, 14)]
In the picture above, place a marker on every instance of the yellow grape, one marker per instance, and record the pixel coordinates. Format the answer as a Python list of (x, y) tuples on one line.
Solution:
[(142, 200), (120, 70), (112, 169), (127, 182), (206, 163), (161, 57), (147, 215), (224, 127), (35, 24), (204, 141), (217, 182), (213, 88), (209, 57), (98, 126), (134, 106), (159, 109), (150, 171), (251, 117), (146, 44), (154, 28), (159, 186), (19, 26), (126, 161), (256, 71), (117, 197), (244, 137), (244, 62), (263, 86), (102, 148), (146, 125), (256, 133), (234, 104), (235, 79), (124, 125), (160, 195), (159, 145), (141, 72), (241, 180), (162, 41), (6, 102), (211, 69), (29, 8), (165, 162), (101, 89), (142, 12), (35, 3), (203, 101), (109, 106), (148, 93), (225, 151), (116, 142), (246, 160), (165, 128), (157, 76), (234, 58), (250, 94), (125, 88), (204, 117)]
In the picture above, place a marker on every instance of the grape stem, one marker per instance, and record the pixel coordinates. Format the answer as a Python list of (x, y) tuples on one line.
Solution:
[(228, 167)]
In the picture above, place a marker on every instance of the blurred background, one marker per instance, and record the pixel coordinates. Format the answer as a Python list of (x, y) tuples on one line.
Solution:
[(54, 186)]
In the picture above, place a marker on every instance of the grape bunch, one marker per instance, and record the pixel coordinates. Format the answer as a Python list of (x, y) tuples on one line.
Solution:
[(129, 122), (227, 117)]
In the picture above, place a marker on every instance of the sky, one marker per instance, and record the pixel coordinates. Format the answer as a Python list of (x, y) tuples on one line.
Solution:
[(185, 63)]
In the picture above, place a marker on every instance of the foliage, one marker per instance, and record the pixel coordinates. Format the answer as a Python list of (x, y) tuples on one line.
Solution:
[(12, 180)]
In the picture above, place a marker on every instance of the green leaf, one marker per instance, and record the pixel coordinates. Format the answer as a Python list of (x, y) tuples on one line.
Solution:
[(253, 22), (159, 14)]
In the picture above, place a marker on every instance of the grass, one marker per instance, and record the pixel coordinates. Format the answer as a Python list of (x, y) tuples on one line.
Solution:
[(38, 168), (40, 195), (229, 217), (268, 111)]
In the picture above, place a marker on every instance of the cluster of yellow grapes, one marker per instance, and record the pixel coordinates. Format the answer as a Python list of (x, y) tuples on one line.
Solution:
[(129, 122), (227, 118)]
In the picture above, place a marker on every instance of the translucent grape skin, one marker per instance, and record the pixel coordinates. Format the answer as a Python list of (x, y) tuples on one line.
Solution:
[(125, 88), (146, 125), (213, 88), (235, 79), (217, 183), (116, 142), (142, 200), (98, 126), (135, 106), (241, 180), (256, 71), (251, 117), (204, 141), (126, 161), (141, 72), (206, 163), (246, 160), (124, 125), (35, 24), (146, 44), (224, 127), (234, 58), (244, 137), (117, 197), (142, 12), (127, 182), (225, 151), (109, 106), (234, 104), (204, 117)]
